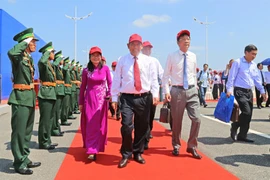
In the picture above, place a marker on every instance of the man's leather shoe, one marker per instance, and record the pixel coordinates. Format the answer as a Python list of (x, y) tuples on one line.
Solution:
[(123, 163), (66, 124), (233, 133), (138, 158), (77, 112), (150, 136), (24, 171), (175, 152), (245, 140), (50, 147), (118, 118), (59, 134), (194, 153), (146, 146), (54, 144), (72, 117), (33, 164)]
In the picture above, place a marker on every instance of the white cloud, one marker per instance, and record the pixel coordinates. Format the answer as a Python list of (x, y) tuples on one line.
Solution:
[(148, 20), (12, 1), (160, 1), (231, 34)]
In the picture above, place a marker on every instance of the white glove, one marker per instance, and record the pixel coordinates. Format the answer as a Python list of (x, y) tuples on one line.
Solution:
[(28, 40)]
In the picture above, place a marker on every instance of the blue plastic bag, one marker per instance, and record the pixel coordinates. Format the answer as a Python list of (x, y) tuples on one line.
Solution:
[(224, 108)]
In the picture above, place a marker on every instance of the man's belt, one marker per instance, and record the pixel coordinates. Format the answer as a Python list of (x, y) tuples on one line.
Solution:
[(136, 95), (78, 83), (53, 84), (181, 87), (23, 86), (67, 85), (60, 82)]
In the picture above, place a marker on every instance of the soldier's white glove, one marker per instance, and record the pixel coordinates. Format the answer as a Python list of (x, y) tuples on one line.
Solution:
[(28, 40)]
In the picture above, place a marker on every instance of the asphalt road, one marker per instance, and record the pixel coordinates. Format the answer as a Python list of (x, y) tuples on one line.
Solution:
[(246, 161)]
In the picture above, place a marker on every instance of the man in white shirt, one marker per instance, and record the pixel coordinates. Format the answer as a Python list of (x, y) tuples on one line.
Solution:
[(135, 76), (147, 50), (181, 69), (112, 110), (203, 82)]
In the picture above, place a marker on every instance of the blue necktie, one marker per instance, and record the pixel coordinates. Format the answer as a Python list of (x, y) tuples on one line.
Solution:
[(185, 72)]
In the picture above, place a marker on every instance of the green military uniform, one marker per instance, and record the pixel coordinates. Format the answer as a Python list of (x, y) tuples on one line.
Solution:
[(22, 99), (78, 79), (60, 94), (46, 97), (73, 90), (66, 101)]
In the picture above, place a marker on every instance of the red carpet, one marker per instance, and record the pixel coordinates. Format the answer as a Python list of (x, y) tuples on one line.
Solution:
[(160, 164)]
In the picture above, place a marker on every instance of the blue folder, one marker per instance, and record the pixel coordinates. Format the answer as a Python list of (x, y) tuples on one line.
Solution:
[(224, 108)]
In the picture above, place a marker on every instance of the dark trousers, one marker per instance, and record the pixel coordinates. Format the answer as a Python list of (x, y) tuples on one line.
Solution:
[(259, 99), (65, 108), (244, 97), (134, 107), (220, 87), (215, 91), (268, 92), (46, 110), (22, 122), (152, 113), (56, 129)]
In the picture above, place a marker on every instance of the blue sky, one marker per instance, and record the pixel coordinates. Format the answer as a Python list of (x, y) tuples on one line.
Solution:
[(237, 24)]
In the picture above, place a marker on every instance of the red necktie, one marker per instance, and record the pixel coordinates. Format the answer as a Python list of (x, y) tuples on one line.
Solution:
[(137, 78)]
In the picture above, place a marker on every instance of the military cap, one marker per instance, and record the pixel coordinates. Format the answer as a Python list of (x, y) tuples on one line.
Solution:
[(66, 60), (81, 66), (58, 54), (47, 47), (24, 35), (73, 62)]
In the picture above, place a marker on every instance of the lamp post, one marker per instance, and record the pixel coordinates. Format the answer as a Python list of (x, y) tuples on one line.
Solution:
[(206, 23), (75, 18)]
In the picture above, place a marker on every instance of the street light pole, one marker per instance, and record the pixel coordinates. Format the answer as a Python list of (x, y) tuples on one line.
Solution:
[(75, 18), (206, 23)]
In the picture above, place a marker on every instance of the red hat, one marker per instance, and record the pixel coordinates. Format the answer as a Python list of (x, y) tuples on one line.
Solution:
[(147, 43), (95, 49), (182, 32), (103, 58), (114, 63), (197, 69), (135, 37), (215, 72)]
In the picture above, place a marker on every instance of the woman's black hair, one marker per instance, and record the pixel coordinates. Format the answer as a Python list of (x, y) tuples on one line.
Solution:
[(91, 66)]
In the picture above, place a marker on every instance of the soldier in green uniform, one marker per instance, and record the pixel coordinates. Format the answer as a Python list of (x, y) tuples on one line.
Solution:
[(46, 97), (73, 90), (22, 100), (60, 93), (78, 85), (66, 101)]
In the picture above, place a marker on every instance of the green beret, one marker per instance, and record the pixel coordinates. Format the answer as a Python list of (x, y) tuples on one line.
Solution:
[(47, 47), (73, 62), (24, 35)]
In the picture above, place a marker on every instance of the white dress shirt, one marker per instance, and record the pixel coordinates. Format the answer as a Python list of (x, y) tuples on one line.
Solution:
[(174, 70), (159, 68), (123, 81)]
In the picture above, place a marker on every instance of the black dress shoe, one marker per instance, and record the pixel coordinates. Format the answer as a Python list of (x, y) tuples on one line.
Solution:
[(259, 107), (72, 117), (33, 164), (66, 124), (92, 157), (194, 153), (50, 147), (151, 136), (138, 158), (77, 112), (123, 163), (57, 135), (118, 118), (54, 144), (24, 171), (175, 152), (146, 146), (245, 140)]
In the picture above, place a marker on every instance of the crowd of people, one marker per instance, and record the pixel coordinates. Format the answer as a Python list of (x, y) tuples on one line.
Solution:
[(131, 91)]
